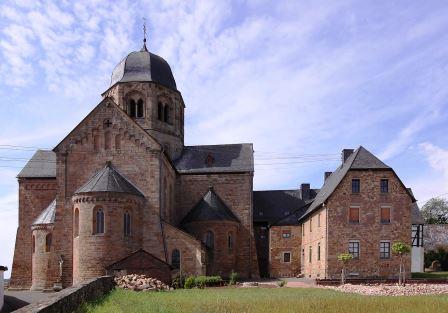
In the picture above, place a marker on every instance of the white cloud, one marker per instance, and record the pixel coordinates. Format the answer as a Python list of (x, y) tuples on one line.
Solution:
[(438, 159)]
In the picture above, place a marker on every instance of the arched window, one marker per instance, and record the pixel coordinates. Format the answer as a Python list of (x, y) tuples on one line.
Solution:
[(118, 142), (166, 114), (76, 223), (160, 111), (33, 239), (175, 259), (48, 239), (127, 224), (107, 140), (140, 108), (132, 108), (98, 221), (209, 240), (230, 241)]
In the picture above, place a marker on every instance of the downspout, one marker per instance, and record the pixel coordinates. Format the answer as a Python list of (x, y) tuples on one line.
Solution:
[(160, 206)]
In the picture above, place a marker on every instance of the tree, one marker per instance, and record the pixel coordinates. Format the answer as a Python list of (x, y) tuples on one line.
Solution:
[(401, 249), (435, 211), (344, 258)]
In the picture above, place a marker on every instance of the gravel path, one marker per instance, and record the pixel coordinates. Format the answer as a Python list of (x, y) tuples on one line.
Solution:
[(393, 290)]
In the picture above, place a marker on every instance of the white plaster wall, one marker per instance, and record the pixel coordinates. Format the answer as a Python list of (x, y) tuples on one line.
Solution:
[(2, 288), (417, 260)]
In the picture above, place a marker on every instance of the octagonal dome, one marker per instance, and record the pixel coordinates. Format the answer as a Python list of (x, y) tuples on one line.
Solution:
[(143, 66)]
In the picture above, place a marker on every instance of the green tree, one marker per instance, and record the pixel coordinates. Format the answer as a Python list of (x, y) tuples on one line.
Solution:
[(344, 258), (401, 249), (435, 211)]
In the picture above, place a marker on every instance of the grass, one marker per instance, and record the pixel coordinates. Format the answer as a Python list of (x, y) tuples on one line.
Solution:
[(430, 275), (262, 300)]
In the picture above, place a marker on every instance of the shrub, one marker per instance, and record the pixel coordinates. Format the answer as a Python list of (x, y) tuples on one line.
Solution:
[(178, 282), (233, 279), (439, 254), (281, 283), (189, 282)]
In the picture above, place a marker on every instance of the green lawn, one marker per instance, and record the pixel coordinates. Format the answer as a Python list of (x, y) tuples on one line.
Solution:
[(430, 275), (262, 300)]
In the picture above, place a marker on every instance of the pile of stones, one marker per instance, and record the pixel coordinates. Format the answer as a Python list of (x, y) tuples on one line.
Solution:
[(141, 283), (394, 290)]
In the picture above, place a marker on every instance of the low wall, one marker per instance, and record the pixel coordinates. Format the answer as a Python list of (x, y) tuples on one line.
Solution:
[(335, 282), (69, 299), (435, 235)]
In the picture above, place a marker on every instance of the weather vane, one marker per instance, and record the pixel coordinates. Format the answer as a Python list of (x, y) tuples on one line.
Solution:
[(144, 34)]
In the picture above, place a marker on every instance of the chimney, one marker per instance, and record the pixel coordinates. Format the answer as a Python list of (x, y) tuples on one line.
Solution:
[(305, 191), (345, 154), (326, 175)]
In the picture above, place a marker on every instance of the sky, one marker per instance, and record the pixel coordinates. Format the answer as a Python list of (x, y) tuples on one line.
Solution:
[(301, 80)]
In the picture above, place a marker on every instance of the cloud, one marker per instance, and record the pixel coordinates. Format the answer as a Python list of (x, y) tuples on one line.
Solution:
[(437, 158)]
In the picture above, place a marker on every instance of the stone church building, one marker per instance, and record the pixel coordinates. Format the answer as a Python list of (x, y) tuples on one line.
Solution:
[(121, 193)]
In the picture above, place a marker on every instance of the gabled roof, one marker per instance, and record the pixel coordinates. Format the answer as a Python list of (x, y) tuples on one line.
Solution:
[(278, 206), (47, 215), (209, 208), (109, 180), (360, 159), (41, 165), (141, 259), (216, 158)]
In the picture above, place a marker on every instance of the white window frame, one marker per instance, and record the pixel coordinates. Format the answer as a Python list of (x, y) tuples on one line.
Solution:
[(359, 248)]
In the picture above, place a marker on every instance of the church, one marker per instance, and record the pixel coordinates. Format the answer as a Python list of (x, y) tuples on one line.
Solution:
[(121, 193)]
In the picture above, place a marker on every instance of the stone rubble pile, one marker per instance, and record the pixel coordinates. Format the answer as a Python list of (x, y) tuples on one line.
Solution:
[(141, 283), (393, 290)]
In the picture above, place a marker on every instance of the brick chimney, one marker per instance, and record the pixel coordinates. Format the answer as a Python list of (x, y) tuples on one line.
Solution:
[(326, 175), (305, 191), (346, 153)]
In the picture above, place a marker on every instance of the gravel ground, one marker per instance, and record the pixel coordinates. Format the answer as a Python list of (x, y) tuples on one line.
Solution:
[(393, 290)]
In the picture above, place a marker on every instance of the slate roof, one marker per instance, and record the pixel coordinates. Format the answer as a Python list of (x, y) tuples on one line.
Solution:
[(360, 159), (143, 66), (225, 158), (41, 165), (416, 215), (47, 215), (209, 208), (280, 207), (109, 180)]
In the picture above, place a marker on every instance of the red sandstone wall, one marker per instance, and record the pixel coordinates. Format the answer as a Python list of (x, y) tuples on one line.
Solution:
[(278, 245), (312, 238), (40, 259), (236, 191), (369, 231), (34, 196)]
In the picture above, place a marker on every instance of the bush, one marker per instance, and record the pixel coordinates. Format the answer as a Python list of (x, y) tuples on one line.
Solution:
[(281, 283), (178, 282), (233, 279), (189, 282), (440, 254)]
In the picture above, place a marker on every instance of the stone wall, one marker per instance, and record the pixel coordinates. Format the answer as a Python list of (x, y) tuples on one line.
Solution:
[(369, 231), (68, 300), (435, 235), (34, 197), (279, 245), (314, 237), (41, 257), (2, 286)]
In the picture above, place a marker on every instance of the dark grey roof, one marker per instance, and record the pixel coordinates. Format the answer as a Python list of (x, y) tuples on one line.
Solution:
[(416, 214), (41, 165), (47, 215), (279, 206), (143, 66), (360, 159), (109, 180), (223, 158), (209, 208)]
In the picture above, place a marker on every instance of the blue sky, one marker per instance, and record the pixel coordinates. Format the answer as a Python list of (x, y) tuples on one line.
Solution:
[(296, 78)]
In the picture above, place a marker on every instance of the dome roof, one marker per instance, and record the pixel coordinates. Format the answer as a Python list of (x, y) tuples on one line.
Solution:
[(143, 66)]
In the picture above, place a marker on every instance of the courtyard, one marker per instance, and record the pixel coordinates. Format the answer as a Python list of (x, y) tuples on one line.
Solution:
[(262, 300)]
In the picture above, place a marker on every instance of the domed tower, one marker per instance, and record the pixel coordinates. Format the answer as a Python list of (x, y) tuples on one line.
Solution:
[(143, 85)]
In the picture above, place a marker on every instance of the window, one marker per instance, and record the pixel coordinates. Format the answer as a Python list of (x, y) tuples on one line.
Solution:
[(160, 111), (385, 215), (76, 223), (132, 108), (107, 140), (140, 108), (98, 222), (318, 220), (303, 230), (166, 114), (287, 257), (127, 224), (354, 215), (353, 248), (318, 251), (209, 239), (175, 259), (417, 235), (33, 243), (356, 185), (263, 231), (384, 249), (230, 242), (118, 142), (310, 256), (303, 256), (48, 239), (311, 223), (384, 185), (286, 233)]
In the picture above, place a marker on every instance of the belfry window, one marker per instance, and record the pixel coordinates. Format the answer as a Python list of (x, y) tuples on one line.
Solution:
[(132, 108), (160, 111), (136, 108), (98, 222), (140, 108), (166, 114)]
